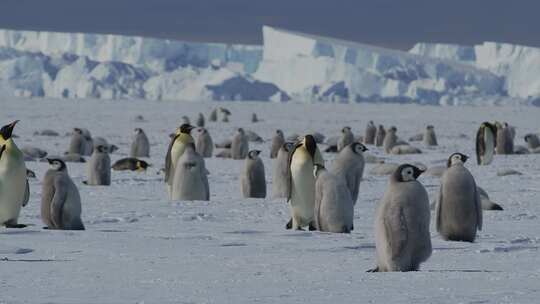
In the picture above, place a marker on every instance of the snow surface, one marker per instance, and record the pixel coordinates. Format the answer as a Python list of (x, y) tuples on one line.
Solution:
[(141, 248)]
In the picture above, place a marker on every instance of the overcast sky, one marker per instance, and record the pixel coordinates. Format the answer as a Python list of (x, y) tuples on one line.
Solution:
[(389, 23)]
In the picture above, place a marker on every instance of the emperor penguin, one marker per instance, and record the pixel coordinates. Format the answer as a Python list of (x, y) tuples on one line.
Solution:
[(14, 187), (505, 140), (200, 120), (185, 120), (379, 136), (225, 113), (430, 139), (177, 145), (334, 208), (402, 238), (253, 180), (532, 141), (459, 209), (204, 145), (347, 137), (280, 174), (301, 196), (88, 142), (239, 145), (254, 118), (485, 143), (190, 180), (213, 115), (277, 142), (99, 167), (100, 141), (349, 164), (131, 164), (140, 147), (60, 199), (77, 144), (370, 133), (390, 140)]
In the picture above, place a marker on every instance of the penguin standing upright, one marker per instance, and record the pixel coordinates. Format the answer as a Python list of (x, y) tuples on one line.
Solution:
[(379, 136), (253, 180), (347, 137), (77, 144), (334, 208), (60, 199), (370, 134), (280, 174), (277, 141), (459, 207), (239, 145), (140, 147), (301, 196), (204, 145), (485, 143), (430, 139), (349, 164), (390, 139), (190, 179), (176, 148), (99, 167), (200, 120), (505, 139), (402, 238), (14, 188), (213, 115)]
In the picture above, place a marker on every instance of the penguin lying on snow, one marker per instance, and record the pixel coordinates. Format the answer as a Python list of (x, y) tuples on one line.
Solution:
[(130, 163)]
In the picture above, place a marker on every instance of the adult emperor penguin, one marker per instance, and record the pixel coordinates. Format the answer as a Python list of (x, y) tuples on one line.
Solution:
[(99, 167), (60, 199), (485, 143), (131, 164), (280, 175), (390, 139), (349, 164), (402, 237), (140, 147), (459, 209), (334, 208), (301, 197), (200, 120), (505, 140), (430, 139), (370, 134), (347, 137), (190, 180), (176, 148), (239, 145), (532, 141), (204, 145), (253, 180), (379, 136), (277, 142), (14, 188)]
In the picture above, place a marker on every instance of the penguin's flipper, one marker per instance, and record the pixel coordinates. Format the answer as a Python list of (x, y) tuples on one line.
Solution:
[(395, 226), (26, 194), (480, 145)]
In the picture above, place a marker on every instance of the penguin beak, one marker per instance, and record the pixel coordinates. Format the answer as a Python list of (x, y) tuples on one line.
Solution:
[(464, 157), (49, 160), (417, 172), (7, 130)]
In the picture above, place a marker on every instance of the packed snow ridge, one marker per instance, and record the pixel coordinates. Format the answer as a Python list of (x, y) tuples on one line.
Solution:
[(289, 65)]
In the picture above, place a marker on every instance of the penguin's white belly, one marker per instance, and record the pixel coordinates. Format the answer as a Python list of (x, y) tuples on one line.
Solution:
[(303, 189), (12, 191)]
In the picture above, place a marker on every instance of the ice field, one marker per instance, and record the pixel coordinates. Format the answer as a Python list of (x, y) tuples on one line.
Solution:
[(139, 247)]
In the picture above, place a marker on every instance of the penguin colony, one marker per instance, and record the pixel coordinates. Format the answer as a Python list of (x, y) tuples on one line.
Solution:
[(320, 196)]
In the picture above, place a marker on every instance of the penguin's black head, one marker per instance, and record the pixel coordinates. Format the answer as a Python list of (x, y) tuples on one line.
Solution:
[(358, 148), (288, 146), (456, 158), (77, 130), (279, 132), (7, 131), (490, 126), (317, 169), (141, 165), (138, 130), (393, 129), (253, 154), (310, 144), (345, 129), (407, 173), (57, 164), (240, 130), (381, 127), (102, 149), (186, 128), (430, 127)]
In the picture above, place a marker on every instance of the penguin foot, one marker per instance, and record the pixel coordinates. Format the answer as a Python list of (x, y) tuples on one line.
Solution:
[(300, 229), (376, 269), (312, 226), (11, 225), (85, 182), (289, 225)]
